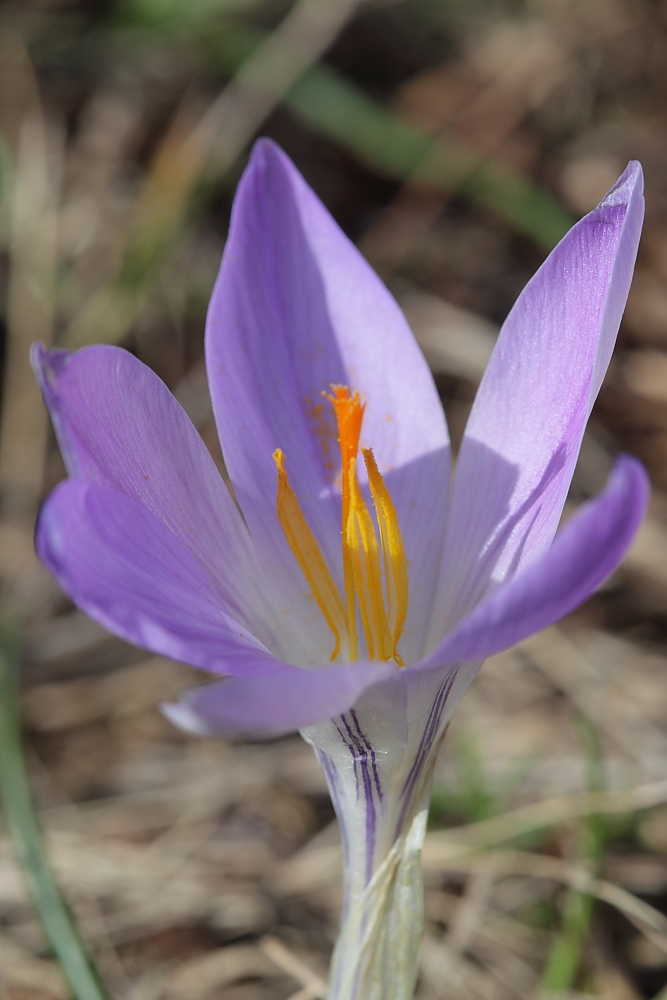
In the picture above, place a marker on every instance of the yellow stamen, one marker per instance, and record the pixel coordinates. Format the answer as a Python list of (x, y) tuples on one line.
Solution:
[(395, 563), (309, 556), (363, 558)]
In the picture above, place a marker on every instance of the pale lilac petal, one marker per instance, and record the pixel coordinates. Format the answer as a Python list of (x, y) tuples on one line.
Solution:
[(125, 569), (284, 700), (585, 551), (119, 426), (526, 425), (295, 310)]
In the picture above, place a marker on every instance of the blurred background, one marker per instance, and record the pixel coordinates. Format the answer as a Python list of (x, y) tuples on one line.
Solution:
[(455, 141)]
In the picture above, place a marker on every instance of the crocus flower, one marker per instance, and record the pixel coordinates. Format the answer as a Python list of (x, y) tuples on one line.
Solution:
[(344, 588)]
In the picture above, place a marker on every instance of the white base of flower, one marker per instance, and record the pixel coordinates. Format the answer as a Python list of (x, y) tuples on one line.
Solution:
[(376, 954)]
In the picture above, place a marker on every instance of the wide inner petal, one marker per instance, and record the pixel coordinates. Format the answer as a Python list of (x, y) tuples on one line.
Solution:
[(295, 309)]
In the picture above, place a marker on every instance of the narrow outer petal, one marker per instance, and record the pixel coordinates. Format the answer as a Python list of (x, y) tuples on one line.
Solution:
[(125, 569), (297, 309), (585, 551), (119, 426), (280, 702), (524, 432)]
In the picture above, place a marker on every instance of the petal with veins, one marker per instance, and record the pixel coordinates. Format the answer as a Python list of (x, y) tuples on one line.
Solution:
[(524, 432)]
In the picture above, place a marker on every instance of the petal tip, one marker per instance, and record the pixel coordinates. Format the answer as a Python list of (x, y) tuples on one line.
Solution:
[(181, 715), (190, 715), (38, 351), (630, 475), (628, 185), (48, 363), (266, 155)]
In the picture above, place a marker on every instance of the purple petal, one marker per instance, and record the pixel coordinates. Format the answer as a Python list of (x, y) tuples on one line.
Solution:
[(120, 427), (295, 310), (125, 569), (526, 425), (585, 551), (286, 699)]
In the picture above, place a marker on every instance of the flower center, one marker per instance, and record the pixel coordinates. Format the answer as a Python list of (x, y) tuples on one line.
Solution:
[(375, 573)]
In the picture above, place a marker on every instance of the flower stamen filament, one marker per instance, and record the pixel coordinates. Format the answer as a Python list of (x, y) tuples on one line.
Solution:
[(393, 553), (309, 556)]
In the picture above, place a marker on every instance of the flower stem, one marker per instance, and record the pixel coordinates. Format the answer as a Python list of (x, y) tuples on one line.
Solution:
[(376, 954)]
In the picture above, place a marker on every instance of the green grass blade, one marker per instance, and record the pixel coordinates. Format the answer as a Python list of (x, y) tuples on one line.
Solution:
[(567, 951), (334, 106), (337, 108), (24, 829)]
